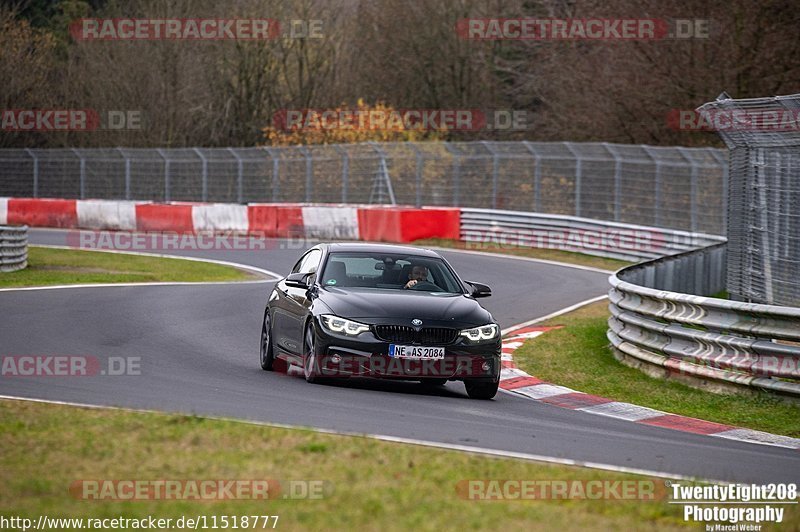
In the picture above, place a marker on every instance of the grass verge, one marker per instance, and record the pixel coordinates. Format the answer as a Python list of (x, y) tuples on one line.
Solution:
[(569, 257), (578, 356), (49, 266), (375, 485)]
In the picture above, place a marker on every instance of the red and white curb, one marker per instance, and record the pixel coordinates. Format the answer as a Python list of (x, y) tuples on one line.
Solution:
[(516, 381)]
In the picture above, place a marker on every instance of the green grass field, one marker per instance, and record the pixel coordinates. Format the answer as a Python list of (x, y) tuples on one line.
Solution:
[(371, 485), (578, 356), (49, 266)]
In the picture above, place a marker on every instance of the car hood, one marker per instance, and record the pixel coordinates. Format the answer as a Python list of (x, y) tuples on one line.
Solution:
[(396, 306)]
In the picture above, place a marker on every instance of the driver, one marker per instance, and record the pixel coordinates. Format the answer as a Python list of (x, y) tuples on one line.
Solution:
[(418, 273)]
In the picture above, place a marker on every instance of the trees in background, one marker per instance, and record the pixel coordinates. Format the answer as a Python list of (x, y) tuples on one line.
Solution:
[(404, 54)]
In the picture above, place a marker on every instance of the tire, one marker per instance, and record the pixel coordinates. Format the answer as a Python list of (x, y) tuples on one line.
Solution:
[(433, 382), (481, 390), (310, 359), (266, 353)]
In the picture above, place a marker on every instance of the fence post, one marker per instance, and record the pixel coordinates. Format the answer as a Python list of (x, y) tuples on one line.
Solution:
[(456, 176), (382, 167), (83, 173), (692, 188), (276, 184), (35, 171), (495, 169), (537, 176), (309, 173), (657, 184), (345, 170), (578, 176), (418, 176), (204, 185), (724, 165), (617, 180), (765, 256), (127, 173), (167, 184), (239, 176)]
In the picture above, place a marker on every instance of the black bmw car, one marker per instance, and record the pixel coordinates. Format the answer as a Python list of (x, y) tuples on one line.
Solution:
[(384, 311)]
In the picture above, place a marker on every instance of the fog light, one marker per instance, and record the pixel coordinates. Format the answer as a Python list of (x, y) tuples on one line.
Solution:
[(336, 359), (486, 366)]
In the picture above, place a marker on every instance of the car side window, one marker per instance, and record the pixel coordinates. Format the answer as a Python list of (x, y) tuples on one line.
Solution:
[(299, 263), (308, 263)]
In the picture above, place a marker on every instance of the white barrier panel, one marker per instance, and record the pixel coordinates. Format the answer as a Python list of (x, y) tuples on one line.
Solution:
[(220, 217), (331, 222), (3, 211), (114, 215)]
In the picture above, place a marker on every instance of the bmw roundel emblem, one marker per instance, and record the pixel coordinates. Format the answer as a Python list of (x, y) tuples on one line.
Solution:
[(416, 322)]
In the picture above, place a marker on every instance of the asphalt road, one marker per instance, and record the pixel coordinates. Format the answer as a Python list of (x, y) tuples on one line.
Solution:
[(199, 354)]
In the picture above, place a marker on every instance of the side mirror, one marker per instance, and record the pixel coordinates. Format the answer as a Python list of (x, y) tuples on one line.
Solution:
[(298, 280), (479, 290)]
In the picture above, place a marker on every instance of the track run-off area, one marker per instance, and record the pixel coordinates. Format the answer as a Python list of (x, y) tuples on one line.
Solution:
[(198, 351)]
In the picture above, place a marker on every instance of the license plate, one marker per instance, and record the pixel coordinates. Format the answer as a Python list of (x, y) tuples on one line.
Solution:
[(415, 351)]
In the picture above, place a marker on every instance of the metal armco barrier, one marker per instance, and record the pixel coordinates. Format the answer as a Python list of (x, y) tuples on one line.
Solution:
[(13, 248), (569, 233), (723, 343)]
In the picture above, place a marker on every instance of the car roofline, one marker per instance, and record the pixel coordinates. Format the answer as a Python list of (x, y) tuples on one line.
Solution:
[(379, 247)]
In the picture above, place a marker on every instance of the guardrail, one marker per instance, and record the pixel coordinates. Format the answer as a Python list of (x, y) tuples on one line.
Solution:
[(713, 342), (571, 233), (13, 248)]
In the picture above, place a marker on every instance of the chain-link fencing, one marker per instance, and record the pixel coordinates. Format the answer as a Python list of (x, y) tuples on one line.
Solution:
[(763, 135), (672, 187)]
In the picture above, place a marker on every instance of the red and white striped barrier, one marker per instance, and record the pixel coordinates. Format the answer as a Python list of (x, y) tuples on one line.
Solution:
[(342, 220), (220, 217), (283, 220), (42, 212), (117, 215)]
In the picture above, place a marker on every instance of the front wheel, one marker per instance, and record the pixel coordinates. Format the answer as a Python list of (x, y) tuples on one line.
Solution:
[(310, 359), (266, 355), (481, 389)]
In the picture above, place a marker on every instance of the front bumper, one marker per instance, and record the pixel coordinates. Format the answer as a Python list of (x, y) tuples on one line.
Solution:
[(368, 356)]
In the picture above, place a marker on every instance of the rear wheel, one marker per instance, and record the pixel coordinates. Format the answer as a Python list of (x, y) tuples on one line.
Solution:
[(481, 389), (310, 358), (266, 355)]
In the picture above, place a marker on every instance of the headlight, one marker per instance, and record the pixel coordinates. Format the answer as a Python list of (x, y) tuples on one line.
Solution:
[(338, 325), (481, 334)]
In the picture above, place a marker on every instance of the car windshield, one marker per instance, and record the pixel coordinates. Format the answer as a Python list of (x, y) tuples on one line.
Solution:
[(385, 271)]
